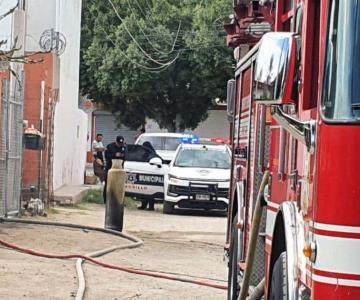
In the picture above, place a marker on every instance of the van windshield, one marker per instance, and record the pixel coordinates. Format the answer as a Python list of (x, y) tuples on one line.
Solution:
[(162, 142), (341, 95)]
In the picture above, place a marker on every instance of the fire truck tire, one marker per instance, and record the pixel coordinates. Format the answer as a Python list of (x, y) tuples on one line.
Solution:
[(168, 207), (233, 280), (279, 286)]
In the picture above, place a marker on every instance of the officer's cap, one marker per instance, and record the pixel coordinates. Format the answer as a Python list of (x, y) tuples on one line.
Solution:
[(120, 139)]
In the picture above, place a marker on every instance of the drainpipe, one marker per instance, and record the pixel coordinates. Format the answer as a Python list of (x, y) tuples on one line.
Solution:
[(42, 101)]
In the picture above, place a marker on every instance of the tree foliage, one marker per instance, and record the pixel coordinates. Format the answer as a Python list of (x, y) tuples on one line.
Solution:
[(172, 67)]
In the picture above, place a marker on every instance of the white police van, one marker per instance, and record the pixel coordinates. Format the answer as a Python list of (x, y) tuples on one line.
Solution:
[(145, 173), (146, 169), (164, 143)]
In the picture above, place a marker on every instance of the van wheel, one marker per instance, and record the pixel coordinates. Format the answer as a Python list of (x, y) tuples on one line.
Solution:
[(233, 274), (168, 207), (279, 285)]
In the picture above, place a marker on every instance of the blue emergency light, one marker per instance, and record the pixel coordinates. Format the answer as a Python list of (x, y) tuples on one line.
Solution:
[(190, 140)]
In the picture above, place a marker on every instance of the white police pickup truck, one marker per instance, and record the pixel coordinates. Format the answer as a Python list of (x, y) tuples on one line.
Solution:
[(198, 178)]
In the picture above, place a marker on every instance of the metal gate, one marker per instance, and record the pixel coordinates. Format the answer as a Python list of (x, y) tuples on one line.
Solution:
[(105, 123), (11, 133)]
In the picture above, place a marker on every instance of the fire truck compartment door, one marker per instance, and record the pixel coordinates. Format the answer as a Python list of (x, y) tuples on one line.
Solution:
[(241, 218)]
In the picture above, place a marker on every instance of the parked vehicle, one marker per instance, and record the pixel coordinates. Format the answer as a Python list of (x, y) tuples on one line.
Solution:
[(165, 144), (145, 173), (198, 178), (294, 106)]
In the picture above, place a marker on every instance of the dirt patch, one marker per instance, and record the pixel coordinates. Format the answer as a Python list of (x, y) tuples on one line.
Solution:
[(188, 245)]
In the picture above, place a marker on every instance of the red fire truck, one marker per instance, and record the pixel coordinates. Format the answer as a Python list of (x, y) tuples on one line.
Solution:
[(294, 107)]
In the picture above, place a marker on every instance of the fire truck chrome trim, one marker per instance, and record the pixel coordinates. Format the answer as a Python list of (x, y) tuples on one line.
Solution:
[(273, 205), (247, 60), (288, 210), (305, 132), (270, 224)]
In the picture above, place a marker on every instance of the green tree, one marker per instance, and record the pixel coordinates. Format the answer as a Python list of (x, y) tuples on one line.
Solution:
[(162, 59)]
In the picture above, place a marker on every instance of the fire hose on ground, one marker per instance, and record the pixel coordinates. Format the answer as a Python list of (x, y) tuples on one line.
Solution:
[(90, 257), (136, 243)]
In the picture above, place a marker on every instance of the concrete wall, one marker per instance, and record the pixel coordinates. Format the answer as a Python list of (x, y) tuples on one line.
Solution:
[(70, 123), (216, 125)]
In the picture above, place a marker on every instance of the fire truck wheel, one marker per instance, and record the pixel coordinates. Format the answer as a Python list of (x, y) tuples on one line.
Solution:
[(233, 281), (168, 207), (279, 286)]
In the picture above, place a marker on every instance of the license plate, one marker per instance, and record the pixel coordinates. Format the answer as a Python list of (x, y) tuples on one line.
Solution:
[(202, 197)]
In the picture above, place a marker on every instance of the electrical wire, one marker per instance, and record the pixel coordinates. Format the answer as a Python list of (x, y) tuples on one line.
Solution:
[(139, 6), (147, 38), (162, 65), (136, 42), (150, 69)]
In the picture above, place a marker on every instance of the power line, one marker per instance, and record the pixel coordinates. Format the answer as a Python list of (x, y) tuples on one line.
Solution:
[(151, 69), (147, 38), (136, 42), (139, 6)]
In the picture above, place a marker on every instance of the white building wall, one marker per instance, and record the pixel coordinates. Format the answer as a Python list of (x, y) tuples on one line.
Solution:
[(6, 23), (89, 130), (40, 16), (71, 123), (70, 135)]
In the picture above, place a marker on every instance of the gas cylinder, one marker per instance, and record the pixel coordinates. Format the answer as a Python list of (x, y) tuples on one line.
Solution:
[(115, 194)]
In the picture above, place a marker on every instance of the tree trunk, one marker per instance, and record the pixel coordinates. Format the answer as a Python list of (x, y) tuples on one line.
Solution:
[(178, 121), (171, 127)]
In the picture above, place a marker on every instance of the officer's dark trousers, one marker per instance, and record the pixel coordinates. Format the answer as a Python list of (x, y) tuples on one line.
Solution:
[(105, 185), (146, 202)]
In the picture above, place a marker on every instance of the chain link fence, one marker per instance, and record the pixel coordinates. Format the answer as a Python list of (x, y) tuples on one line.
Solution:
[(11, 137)]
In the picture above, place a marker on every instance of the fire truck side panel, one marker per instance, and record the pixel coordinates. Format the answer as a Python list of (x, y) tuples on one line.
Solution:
[(313, 193), (336, 225), (339, 187), (247, 171), (322, 291)]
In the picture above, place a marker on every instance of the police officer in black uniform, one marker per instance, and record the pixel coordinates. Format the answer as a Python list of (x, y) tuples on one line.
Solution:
[(115, 150), (148, 201)]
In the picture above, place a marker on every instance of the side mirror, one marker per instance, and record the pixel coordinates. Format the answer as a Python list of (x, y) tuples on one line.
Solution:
[(230, 99), (275, 68), (156, 161)]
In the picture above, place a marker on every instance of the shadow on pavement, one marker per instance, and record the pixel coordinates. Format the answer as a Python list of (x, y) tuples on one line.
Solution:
[(199, 212)]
